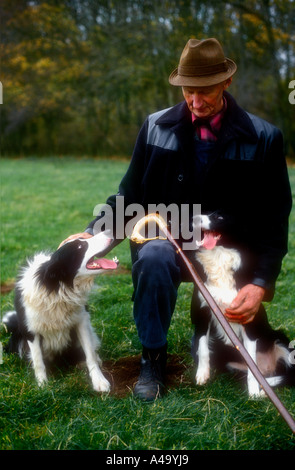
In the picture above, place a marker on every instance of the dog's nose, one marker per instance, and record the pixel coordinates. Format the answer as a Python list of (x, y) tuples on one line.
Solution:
[(202, 221)]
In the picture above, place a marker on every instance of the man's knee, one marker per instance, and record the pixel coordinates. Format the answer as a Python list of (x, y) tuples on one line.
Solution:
[(156, 259), (158, 253)]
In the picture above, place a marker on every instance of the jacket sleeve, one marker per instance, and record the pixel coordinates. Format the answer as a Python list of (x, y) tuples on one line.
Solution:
[(273, 210)]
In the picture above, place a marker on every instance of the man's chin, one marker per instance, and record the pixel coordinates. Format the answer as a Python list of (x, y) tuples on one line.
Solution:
[(202, 114)]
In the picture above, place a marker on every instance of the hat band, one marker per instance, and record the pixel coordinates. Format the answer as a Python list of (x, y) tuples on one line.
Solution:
[(191, 70)]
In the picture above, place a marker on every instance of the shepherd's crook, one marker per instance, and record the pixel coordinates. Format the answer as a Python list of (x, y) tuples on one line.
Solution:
[(136, 237)]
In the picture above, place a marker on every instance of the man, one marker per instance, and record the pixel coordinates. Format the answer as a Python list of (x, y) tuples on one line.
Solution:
[(204, 150)]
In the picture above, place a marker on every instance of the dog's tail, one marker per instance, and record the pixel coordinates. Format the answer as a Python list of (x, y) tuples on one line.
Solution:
[(10, 321), (275, 364), (15, 343)]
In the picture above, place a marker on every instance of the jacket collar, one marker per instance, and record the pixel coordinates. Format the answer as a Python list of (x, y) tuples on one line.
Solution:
[(237, 123)]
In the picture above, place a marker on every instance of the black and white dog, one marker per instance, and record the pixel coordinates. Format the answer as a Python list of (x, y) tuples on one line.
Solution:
[(50, 318), (268, 348)]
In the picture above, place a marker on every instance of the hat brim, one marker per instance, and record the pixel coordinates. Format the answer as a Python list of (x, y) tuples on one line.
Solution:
[(203, 80)]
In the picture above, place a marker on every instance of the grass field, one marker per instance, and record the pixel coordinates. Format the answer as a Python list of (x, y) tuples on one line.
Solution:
[(42, 202)]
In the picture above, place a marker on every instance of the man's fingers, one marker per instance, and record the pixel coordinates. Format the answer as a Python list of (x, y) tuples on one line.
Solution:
[(238, 301), (242, 318), (245, 305)]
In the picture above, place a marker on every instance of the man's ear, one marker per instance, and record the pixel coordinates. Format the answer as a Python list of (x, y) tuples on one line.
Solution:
[(227, 83)]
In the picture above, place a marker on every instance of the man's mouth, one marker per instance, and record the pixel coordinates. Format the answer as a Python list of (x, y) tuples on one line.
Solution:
[(209, 239), (102, 263)]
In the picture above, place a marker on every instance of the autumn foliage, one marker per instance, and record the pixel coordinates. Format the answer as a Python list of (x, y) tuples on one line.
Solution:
[(79, 77)]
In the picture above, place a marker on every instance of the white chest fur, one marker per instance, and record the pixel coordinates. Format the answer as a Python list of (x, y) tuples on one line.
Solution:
[(220, 265)]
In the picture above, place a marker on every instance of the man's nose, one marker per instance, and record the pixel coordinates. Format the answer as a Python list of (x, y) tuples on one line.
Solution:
[(197, 100)]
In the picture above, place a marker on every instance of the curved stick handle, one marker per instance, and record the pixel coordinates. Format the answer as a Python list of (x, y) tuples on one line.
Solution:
[(138, 238)]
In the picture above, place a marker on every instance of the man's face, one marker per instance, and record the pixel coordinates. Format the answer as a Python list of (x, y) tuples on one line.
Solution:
[(205, 101)]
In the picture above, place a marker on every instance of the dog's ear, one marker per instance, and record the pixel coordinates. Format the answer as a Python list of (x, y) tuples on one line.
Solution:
[(52, 273), (62, 266), (236, 261)]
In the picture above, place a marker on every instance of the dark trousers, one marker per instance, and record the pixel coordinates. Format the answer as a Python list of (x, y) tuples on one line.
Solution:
[(157, 273)]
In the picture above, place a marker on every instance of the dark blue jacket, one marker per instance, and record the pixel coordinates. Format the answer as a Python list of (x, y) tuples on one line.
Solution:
[(246, 177)]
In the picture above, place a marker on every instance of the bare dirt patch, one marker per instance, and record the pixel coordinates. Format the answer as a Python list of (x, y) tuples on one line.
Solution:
[(123, 373), (7, 287)]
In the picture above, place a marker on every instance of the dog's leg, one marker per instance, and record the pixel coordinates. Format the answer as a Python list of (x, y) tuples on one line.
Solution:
[(253, 386), (201, 317), (203, 370), (37, 360), (99, 382)]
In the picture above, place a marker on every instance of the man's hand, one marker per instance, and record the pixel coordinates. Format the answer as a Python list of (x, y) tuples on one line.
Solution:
[(245, 305), (75, 236)]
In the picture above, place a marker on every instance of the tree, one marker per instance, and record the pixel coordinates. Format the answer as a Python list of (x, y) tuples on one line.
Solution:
[(80, 76)]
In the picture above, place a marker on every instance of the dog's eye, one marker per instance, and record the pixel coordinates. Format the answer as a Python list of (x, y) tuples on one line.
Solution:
[(220, 217), (79, 247)]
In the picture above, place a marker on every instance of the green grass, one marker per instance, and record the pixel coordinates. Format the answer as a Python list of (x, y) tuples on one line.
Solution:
[(45, 200)]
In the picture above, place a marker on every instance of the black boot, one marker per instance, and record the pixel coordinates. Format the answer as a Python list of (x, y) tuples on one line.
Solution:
[(151, 379)]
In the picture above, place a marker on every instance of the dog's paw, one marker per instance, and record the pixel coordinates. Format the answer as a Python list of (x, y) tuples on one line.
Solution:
[(202, 376), (255, 391), (262, 393), (256, 394), (101, 384), (41, 380)]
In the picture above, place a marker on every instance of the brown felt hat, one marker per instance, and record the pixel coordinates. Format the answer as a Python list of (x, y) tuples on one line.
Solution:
[(202, 63)]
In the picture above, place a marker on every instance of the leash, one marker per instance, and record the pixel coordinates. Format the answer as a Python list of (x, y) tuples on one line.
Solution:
[(136, 237)]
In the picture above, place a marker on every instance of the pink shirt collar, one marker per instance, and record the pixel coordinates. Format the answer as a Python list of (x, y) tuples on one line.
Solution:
[(209, 132)]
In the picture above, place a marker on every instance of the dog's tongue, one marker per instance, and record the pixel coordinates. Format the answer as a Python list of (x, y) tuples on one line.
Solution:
[(210, 239), (102, 263)]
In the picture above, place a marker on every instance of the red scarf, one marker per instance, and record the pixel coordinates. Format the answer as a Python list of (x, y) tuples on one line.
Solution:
[(207, 129)]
